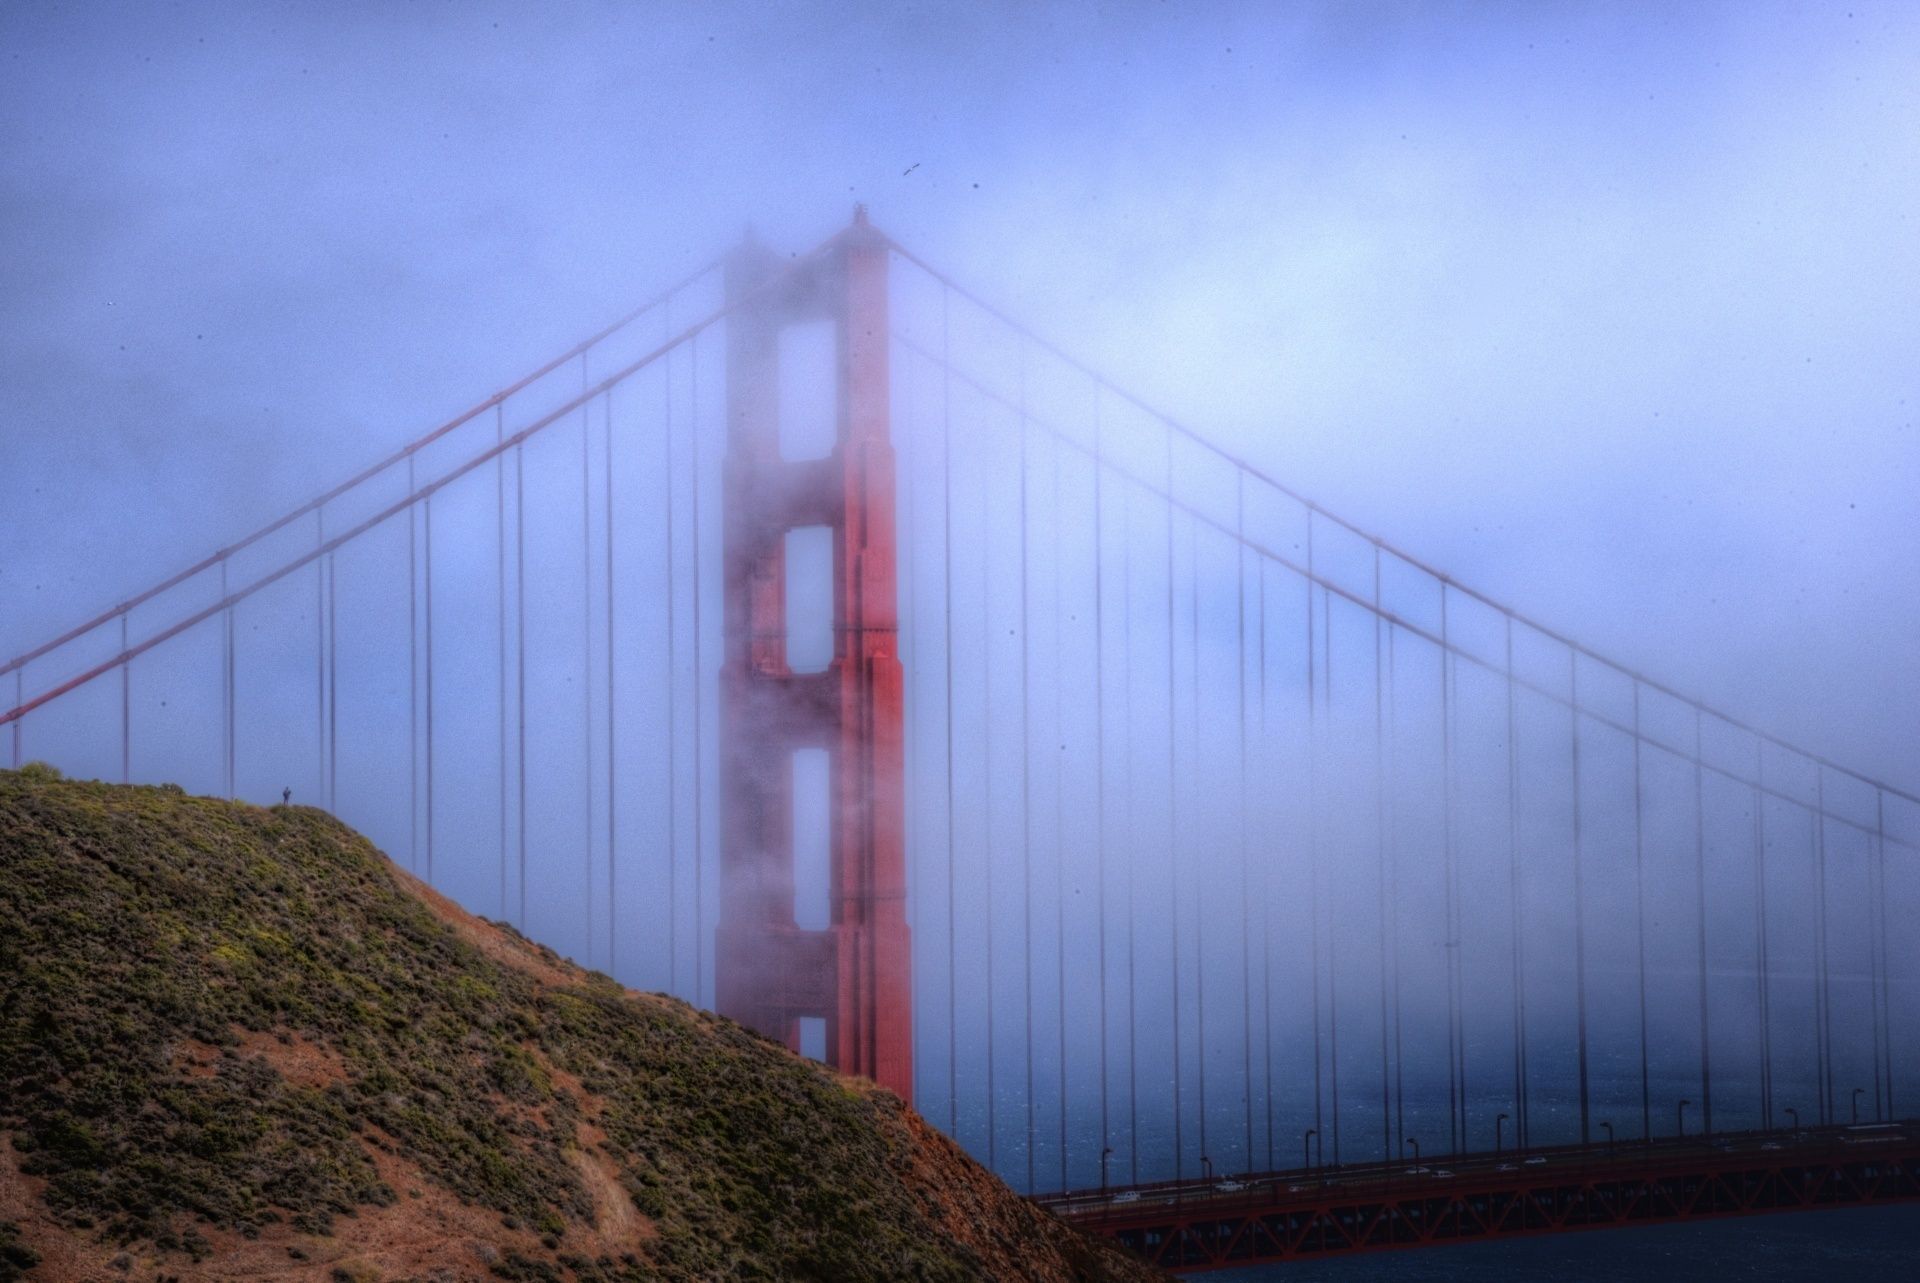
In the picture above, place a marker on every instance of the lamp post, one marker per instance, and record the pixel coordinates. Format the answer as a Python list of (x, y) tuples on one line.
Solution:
[(1105, 1154), (1609, 1126), (1306, 1148), (1856, 1103), (1794, 1114), (1680, 1118), (1498, 1124), (1208, 1164), (1414, 1142)]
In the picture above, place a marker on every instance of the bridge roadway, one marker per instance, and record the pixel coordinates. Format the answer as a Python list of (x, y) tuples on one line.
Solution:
[(1311, 1212)]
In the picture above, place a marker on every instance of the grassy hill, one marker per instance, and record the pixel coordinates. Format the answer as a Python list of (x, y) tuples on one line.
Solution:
[(239, 1043)]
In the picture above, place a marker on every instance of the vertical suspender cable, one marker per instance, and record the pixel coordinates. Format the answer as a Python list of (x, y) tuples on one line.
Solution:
[(227, 695), (1823, 1005), (1640, 920), (586, 654), (1516, 936), (1173, 827), (946, 659), (613, 935), (1333, 941), (986, 749), (907, 629), (1700, 923), (319, 654), (126, 708), (1876, 961), (333, 693), (1246, 877), (1380, 856), (1266, 881), (413, 680), (699, 704), (1100, 750), (20, 697), (673, 685), (1393, 898), (1199, 935), (1760, 930), (1883, 1065), (427, 597), (1460, 934), (1133, 845), (1266, 878), (500, 584), (1026, 775), (1579, 904), (1313, 831), (520, 662), (1456, 1002), (1059, 814)]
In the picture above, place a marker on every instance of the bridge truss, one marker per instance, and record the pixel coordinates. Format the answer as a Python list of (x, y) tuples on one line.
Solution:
[(1310, 1213)]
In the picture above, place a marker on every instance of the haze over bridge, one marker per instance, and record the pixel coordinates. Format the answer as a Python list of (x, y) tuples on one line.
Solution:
[(818, 644)]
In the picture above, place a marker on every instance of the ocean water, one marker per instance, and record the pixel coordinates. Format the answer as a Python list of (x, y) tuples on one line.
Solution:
[(1844, 1245)]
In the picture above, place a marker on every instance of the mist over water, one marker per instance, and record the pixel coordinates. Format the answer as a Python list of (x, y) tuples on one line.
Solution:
[(1226, 820)]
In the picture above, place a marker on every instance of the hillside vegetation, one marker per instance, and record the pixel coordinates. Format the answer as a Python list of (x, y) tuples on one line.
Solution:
[(237, 1042)]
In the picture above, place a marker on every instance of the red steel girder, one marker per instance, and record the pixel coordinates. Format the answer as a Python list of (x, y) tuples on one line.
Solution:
[(1284, 1216), (769, 972)]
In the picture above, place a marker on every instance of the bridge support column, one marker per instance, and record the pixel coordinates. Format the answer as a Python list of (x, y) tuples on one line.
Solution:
[(770, 972)]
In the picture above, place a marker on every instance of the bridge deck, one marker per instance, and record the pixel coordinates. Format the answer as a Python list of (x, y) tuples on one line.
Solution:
[(1287, 1215)]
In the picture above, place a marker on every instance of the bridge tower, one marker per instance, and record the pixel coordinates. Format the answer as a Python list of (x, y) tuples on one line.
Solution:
[(769, 972)]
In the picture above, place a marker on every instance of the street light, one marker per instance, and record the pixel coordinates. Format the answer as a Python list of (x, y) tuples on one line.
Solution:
[(1208, 1164), (1497, 1124), (1856, 1103), (1680, 1118), (1105, 1154), (1415, 1143), (1794, 1114), (1609, 1126), (1306, 1148)]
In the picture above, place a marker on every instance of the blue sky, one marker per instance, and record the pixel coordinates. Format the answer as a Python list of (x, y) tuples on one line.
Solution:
[(1609, 310)]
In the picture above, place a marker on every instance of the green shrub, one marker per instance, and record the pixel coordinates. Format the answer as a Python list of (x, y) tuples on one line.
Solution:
[(141, 929), (16, 1258)]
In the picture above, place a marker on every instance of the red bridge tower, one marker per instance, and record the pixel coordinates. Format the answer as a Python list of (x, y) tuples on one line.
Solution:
[(770, 972)]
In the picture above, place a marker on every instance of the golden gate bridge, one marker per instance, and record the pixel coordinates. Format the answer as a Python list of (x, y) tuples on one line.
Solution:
[(819, 644)]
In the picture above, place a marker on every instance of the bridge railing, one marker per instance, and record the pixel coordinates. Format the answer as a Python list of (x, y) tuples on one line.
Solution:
[(1462, 1174)]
